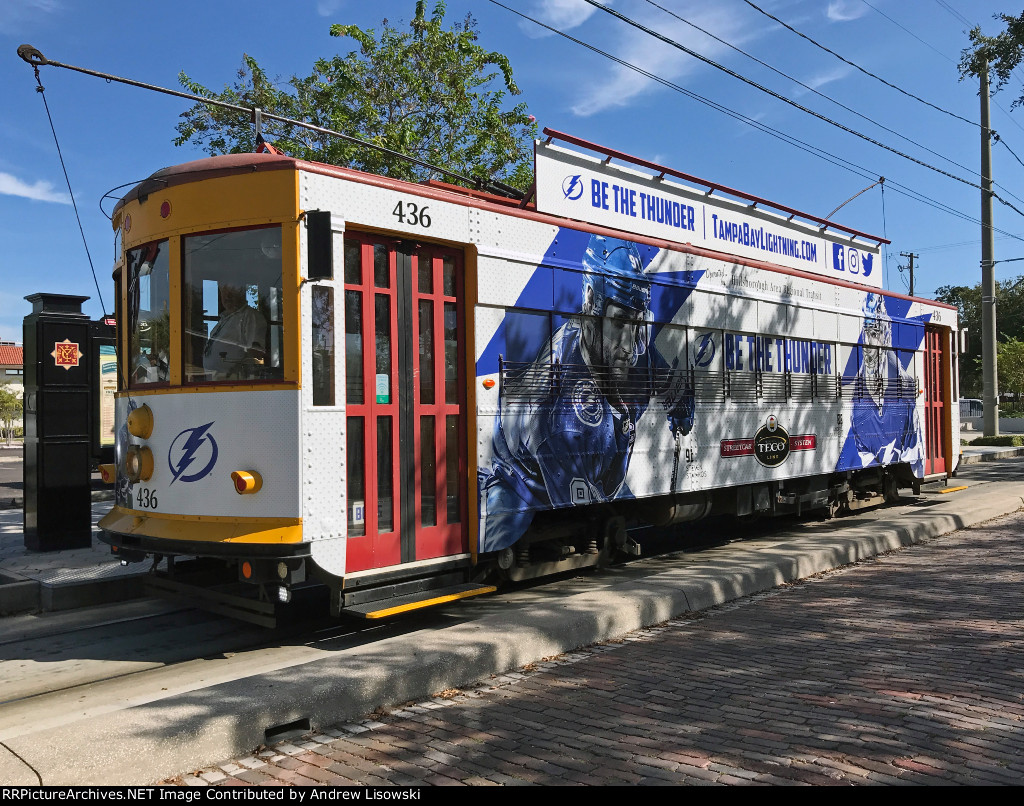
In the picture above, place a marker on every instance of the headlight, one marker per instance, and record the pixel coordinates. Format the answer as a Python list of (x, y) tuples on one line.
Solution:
[(138, 463)]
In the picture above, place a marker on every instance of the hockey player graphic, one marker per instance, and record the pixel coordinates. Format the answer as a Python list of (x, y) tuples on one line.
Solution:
[(885, 426), (567, 422)]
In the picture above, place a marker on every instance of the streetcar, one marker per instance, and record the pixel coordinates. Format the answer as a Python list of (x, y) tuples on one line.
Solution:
[(409, 393)]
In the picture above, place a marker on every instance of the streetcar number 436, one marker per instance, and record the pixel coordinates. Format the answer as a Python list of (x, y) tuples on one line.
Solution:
[(412, 213)]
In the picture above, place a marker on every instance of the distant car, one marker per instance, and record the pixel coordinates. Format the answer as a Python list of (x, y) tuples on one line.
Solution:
[(971, 407)]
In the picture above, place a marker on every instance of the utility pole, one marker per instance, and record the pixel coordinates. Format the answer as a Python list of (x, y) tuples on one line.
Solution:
[(990, 391), (910, 255)]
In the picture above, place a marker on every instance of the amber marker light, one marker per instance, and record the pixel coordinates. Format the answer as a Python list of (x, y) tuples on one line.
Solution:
[(247, 482), (140, 422), (489, 383), (138, 463), (247, 570), (108, 473)]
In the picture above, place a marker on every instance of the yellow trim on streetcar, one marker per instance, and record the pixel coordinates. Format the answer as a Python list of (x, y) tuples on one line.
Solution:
[(229, 386), (202, 528), (450, 597)]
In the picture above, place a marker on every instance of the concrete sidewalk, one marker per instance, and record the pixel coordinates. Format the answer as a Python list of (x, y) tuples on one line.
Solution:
[(62, 580), (187, 716)]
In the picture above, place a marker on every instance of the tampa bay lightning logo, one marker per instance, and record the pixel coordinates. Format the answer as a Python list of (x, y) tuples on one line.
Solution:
[(572, 187), (586, 402), (704, 352), (193, 449)]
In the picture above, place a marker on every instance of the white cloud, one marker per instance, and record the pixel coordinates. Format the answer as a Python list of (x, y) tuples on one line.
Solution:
[(17, 15), (844, 10), (40, 191), (561, 14), (818, 81), (619, 86), (326, 8)]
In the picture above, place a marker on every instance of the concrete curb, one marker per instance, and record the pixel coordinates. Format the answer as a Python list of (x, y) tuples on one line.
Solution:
[(162, 730), (999, 453)]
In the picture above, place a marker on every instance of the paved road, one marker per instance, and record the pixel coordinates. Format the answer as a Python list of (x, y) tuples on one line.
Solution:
[(903, 668)]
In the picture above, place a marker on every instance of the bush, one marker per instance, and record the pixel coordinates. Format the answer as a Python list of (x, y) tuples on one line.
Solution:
[(1008, 441)]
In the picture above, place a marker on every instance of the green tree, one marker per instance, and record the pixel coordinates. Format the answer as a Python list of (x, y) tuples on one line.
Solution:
[(1010, 360), (1002, 52), (1009, 325), (10, 410), (431, 92)]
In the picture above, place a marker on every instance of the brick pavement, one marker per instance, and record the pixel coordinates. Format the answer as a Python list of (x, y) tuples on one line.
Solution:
[(902, 669)]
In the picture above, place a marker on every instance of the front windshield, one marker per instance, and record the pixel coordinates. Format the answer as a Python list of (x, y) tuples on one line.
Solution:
[(149, 313), (232, 306)]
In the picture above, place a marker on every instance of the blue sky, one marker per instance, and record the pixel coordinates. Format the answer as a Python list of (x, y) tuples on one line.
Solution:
[(113, 134)]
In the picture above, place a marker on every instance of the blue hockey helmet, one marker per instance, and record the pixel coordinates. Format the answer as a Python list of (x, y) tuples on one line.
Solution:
[(876, 318), (612, 268)]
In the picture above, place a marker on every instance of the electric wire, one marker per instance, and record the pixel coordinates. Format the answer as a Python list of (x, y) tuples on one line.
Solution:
[(819, 93), (857, 66), (42, 93), (811, 112), (833, 159), (956, 14), (943, 55), (908, 31)]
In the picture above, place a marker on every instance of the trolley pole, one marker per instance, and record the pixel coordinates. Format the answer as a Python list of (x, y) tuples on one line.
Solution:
[(990, 391)]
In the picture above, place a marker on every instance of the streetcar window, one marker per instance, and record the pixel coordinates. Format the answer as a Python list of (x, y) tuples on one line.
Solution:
[(451, 452), (426, 350), (385, 486), (356, 477), (428, 472), (323, 345), (149, 315), (381, 266), (353, 346), (451, 353), (231, 308)]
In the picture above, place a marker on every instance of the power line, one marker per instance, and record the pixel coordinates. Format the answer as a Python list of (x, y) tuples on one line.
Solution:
[(908, 31), (956, 14), (782, 98), (857, 66), (943, 55), (819, 93), (839, 162)]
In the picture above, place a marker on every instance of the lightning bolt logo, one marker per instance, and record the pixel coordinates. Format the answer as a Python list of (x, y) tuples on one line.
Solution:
[(705, 351), (572, 187), (186, 446)]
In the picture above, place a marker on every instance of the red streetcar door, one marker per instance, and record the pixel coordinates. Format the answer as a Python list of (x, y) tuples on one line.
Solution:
[(934, 401), (406, 472)]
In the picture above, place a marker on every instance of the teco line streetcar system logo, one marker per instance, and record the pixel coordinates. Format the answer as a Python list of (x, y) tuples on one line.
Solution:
[(771, 445)]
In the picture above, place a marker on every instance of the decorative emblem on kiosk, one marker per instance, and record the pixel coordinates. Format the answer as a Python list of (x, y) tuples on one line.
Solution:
[(66, 354)]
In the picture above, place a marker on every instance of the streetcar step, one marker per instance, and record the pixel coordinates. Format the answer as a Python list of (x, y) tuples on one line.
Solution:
[(416, 601)]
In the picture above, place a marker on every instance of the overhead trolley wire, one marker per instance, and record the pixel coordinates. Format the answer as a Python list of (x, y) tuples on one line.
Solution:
[(784, 99), (818, 92), (827, 156), (857, 66), (945, 56)]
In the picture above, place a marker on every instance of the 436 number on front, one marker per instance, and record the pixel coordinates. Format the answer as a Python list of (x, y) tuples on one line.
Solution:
[(408, 212)]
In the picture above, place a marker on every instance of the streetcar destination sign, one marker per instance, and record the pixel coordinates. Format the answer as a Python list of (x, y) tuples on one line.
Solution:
[(588, 189)]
